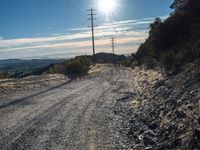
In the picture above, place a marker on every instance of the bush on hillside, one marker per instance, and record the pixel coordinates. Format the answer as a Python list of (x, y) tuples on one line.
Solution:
[(78, 66)]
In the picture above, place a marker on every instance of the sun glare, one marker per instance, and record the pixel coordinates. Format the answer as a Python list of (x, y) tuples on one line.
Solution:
[(107, 6)]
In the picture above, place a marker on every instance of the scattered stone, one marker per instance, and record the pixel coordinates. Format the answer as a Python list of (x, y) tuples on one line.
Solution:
[(162, 112)]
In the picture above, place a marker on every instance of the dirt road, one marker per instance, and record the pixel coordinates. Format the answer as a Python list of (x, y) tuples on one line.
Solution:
[(76, 115)]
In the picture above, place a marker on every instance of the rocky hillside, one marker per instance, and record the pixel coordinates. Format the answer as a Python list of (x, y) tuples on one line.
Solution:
[(164, 113)]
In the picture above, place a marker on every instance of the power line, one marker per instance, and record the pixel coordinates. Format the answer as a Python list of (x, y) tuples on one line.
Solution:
[(92, 28), (113, 40)]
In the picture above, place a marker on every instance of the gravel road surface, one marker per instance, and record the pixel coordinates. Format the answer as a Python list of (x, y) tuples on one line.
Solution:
[(76, 115)]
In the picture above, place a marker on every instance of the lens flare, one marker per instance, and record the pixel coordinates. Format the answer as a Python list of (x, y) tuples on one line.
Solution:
[(107, 6)]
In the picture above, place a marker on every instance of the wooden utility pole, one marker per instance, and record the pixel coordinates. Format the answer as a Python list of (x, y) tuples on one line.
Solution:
[(92, 28), (113, 48)]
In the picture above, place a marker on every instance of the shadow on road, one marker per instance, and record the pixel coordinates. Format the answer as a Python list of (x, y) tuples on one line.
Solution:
[(22, 100)]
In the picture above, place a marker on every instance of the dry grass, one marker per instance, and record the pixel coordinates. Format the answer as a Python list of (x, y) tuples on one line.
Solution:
[(97, 68)]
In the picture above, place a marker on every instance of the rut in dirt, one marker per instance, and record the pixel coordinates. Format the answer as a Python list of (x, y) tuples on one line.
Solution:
[(75, 115)]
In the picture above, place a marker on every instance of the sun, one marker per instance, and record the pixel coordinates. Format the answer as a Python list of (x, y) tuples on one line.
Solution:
[(107, 6)]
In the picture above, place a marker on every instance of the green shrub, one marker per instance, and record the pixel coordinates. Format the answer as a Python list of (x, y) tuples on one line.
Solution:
[(73, 67), (78, 66), (4, 75), (127, 63)]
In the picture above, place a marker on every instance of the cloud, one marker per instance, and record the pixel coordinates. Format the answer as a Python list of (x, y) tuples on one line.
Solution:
[(78, 45), (143, 21), (128, 33)]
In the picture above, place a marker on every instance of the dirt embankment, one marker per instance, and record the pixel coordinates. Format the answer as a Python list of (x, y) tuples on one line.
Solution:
[(164, 113)]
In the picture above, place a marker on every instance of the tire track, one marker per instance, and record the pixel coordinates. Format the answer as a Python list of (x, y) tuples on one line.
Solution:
[(75, 116), (12, 136)]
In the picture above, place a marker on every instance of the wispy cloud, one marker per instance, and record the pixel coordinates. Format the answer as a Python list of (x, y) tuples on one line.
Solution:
[(129, 33)]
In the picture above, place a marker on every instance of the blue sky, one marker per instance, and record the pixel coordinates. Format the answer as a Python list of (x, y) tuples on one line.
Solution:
[(58, 28)]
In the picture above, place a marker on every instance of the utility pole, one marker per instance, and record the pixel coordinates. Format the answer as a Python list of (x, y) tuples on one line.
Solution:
[(92, 28), (113, 48)]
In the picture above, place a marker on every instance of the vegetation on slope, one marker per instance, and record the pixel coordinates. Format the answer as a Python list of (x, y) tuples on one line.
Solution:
[(175, 41)]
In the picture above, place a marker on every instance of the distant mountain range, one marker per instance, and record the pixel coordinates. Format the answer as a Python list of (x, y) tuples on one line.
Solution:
[(18, 65)]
